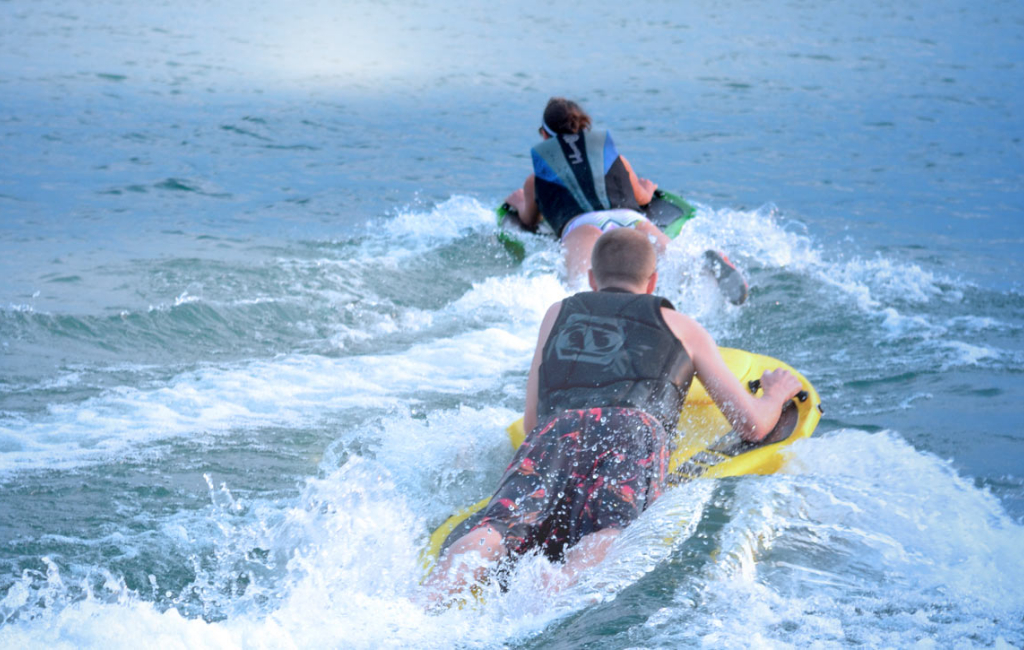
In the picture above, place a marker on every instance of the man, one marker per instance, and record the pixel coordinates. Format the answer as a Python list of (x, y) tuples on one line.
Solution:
[(607, 385)]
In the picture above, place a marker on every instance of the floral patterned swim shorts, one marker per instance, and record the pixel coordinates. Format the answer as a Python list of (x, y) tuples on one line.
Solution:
[(581, 472)]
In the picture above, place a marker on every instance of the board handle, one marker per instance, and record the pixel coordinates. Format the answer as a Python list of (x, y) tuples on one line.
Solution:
[(755, 385), (507, 211)]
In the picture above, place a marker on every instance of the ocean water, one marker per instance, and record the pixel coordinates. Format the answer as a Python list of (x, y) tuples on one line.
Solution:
[(257, 338)]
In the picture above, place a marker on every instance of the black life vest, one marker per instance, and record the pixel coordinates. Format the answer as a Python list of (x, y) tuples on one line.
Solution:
[(577, 173), (613, 348)]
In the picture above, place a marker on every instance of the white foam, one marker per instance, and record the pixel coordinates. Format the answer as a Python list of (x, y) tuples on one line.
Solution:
[(760, 237), (186, 298), (889, 549), (373, 324), (959, 353), (344, 567), (449, 458), (21, 308), (907, 302), (445, 222), (351, 580), (465, 347), (976, 324), (894, 281), (511, 299), (754, 235), (493, 329), (293, 390)]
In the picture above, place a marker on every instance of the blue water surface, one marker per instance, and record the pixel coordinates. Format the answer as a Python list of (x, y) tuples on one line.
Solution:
[(248, 269)]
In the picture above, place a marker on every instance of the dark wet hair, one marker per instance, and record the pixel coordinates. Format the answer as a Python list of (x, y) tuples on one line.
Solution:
[(622, 256), (563, 115)]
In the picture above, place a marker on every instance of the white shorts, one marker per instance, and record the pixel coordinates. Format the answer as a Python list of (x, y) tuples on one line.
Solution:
[(605, 220)]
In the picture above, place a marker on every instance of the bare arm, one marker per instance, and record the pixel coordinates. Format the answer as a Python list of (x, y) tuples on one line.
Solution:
[(533, 381), (643, 189), (753, 417), (525, 202)]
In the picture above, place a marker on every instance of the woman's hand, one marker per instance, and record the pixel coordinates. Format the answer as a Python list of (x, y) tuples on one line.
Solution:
[(517, 200), (643, 189), (648, 187), (524, 201)]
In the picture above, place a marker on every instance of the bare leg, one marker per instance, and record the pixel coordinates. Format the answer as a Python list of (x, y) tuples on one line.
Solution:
[(578, 245), (525, 202), (661, 240), (454, 570), (588, 552)]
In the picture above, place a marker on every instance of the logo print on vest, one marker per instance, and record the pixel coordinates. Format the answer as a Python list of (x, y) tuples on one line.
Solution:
[(590, 339), (577, 155)]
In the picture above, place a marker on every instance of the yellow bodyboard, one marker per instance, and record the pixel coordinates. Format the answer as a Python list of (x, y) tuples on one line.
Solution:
[(705, 445)]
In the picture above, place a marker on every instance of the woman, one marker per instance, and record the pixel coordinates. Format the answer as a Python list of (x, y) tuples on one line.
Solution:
[(581, 186)]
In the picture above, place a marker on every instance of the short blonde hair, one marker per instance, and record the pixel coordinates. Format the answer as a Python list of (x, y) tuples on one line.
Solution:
[(623, 256)]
